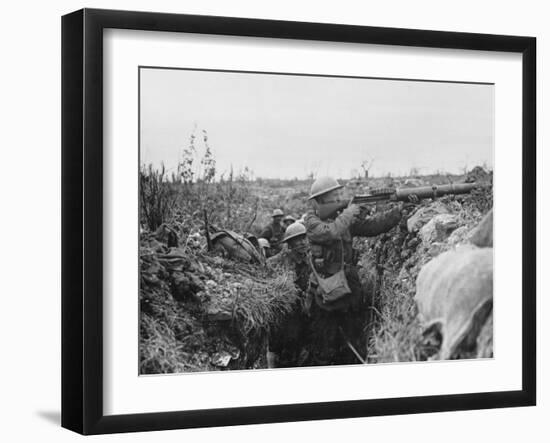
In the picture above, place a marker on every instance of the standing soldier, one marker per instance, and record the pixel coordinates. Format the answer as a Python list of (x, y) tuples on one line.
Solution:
[(274, 232), (285, 343), (339, 304)]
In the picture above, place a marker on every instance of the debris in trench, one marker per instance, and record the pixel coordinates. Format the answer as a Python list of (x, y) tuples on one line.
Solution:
[(204, 312), (438, 228)]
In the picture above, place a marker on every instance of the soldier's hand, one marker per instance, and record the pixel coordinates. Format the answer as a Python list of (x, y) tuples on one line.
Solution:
[(353, 210), (412, 201)]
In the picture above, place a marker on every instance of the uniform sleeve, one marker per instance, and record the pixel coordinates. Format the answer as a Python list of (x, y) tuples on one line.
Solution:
[(376, 224), (319, 231)]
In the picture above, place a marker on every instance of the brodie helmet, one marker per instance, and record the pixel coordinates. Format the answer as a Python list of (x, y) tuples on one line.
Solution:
[(323, 185), (294, 230), (263, 243)]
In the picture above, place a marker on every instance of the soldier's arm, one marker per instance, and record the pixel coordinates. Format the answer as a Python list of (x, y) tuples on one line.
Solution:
[(320, 231), (376, 224)]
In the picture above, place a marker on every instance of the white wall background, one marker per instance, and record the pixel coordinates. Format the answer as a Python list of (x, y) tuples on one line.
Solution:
[(30, 218)]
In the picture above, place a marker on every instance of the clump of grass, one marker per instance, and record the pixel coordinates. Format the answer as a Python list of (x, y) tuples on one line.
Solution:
[(157, 198), (263, 303), (160, 352), (397, 329)]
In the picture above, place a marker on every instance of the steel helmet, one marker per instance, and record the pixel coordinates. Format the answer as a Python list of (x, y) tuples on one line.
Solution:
[(294, 230), (289, 217), (277, 213), (323, 185), (263, 243)]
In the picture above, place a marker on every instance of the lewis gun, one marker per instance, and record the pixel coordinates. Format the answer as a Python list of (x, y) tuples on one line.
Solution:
[(327, 210)]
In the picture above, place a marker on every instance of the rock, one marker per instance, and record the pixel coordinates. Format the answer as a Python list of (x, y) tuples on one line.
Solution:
[(438, 228), (436, 248), (482, 235), (454, 293), (424, 214), (459, 235)]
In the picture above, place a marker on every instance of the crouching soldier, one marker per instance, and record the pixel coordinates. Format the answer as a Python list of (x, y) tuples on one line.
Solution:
[(274, 232), (285, 342), (339, 304), (263, 247)]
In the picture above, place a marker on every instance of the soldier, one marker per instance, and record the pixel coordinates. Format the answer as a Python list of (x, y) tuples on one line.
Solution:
[(288, 220), (274, 232), (339, 304), (263, 246), (285, 343), (294, 257)]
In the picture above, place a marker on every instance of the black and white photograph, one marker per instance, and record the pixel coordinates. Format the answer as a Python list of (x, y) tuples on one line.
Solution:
[(275, 221), (291, 220)]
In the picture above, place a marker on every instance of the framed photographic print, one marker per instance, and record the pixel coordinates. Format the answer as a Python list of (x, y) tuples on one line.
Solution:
[(269, 221)]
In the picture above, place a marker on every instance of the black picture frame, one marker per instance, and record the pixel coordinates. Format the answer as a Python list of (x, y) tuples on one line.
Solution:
[(82, 216)]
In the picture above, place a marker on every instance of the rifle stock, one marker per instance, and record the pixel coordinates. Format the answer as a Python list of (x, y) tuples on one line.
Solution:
[(327, 210)]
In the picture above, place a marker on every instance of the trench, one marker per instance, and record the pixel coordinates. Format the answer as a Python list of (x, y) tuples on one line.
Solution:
[(180, 332)]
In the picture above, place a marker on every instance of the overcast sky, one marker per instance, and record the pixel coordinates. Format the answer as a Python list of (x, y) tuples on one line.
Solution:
[(288, 126)]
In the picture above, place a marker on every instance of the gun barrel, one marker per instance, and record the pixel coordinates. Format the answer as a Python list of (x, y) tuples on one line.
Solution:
[(400, 194), (434, 191)]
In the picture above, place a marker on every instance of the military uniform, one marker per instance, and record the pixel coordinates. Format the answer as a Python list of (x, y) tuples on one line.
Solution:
[(273, 233), (331, 249), (287, 338)]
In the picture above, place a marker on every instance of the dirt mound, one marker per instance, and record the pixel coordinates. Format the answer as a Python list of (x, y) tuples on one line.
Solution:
[(454, 294), (396, 257), (204, 312)]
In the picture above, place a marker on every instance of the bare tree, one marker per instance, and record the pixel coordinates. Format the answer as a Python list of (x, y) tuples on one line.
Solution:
[(366, 165)]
